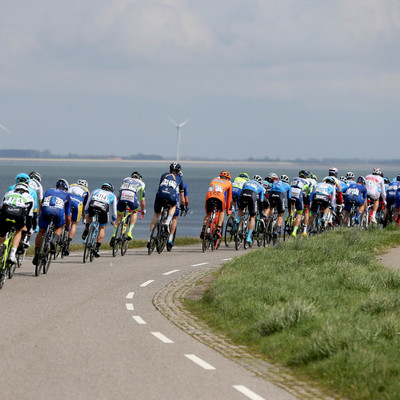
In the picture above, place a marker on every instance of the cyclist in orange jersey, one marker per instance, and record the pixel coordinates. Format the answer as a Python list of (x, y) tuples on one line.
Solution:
[(219, 191)]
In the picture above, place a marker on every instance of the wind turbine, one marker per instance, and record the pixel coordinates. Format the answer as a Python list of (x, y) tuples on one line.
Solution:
[(178, 130)]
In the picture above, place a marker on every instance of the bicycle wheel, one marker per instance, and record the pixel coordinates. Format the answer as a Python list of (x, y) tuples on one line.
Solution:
[(93, 242), (43, 250), (153, 238), (260, 232), (20, 258), (207, 239), (46, 263), (162, 238), (239, 235), (3, 277), (124, 245), (11, 269), (117, 239), (88, 245), (229, 233)]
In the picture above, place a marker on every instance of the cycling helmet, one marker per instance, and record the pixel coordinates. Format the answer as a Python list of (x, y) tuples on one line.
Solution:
[(257, 178), (361, 179), (22, 178), (108, 186), (244, 175), (35, 175), (137, 175), (62, 184), (225, 174), (313, 176), (350, 175), (343, 179), (82, 182), (274, 176), (284, 178), (175, 167), (377, 171), (333, 171), (330, 180), (22, 187), (386, 180), (303, 174), (269, 179)]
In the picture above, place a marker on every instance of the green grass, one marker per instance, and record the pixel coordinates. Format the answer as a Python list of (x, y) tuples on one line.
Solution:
[(134, 244), (324, 307)]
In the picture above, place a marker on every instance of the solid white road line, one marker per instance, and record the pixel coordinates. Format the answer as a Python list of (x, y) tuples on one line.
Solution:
[(247, 392), (139, 320), (199, 361), (146, 283), (171, 272), (129, 306), (161, 337), (198, 265), (130, 295)]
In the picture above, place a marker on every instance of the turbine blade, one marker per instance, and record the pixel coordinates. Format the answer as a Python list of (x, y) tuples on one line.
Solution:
[(2, 126), (173, 121), (184, 123)]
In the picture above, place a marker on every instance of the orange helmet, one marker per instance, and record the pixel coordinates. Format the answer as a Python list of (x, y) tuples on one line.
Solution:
[(225, 174)]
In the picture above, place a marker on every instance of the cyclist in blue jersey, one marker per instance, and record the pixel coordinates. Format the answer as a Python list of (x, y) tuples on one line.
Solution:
[(101, 201), (16, 211), (391, 191), (397, 205), (237, 186), (299, 189), (350, 178), (167, 194), (252, 196), (324, 196), (57, 205), (278, 197), (179, 208), (355, 193), (131, 195), (79, 194)]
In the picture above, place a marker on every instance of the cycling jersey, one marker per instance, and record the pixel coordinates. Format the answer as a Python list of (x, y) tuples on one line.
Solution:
[(219, 189), (185, 194), (79, 196), (168, 189), (299, 189), (237, 186), (252, 193), (324, 195), (356, 193), (131, 193), (280, 191), (392, 189), (37, 187), (343, 187), (56, 204), (32, 193), (103, 202), (375, 187)]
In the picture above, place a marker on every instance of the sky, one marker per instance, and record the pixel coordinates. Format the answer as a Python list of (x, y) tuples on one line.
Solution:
[(257, 78)]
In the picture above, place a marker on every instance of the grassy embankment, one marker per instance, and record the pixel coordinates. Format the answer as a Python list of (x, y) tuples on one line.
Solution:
[(324, 307), (134, 244)]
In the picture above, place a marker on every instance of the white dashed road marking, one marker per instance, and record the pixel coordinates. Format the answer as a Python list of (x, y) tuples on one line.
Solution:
[(129, 306), (139, 320), (227, 259), (199, 361), (130, 295), (171, 272), (161, 337), (198, 265), (248, 393), (146, 283)]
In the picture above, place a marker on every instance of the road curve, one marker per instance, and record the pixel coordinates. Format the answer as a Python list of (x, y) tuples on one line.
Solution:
[(91, 331)]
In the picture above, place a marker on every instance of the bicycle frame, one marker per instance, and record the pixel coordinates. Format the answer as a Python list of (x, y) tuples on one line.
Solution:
[(7, 268)]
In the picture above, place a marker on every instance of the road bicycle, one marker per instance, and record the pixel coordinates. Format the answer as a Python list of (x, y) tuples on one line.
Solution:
[(288, 226), (91, 238), (45, 256), (230, 230), (270, 228), (7, 267), (160, 233), (62, 244), (121, 241), (242, 231), (182, 213), (259, 234), (211, 239)]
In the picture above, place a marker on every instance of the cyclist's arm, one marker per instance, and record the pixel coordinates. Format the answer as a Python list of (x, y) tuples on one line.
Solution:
[(114, 208)]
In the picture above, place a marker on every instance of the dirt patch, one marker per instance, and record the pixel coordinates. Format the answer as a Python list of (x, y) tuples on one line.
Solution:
[(197, 292), (391, 259)]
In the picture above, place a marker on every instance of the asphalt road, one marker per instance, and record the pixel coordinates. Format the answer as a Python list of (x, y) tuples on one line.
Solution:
[(90, 331)]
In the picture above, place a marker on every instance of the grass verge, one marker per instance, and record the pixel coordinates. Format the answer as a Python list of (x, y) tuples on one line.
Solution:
[(324, 307)]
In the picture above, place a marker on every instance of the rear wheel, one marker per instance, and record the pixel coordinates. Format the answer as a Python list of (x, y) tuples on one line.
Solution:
[(88, 245), (43, 253), (162, 238), (229, 233), (117, 239), (239, 236), (11, 269), (153, 238), (207, 239)]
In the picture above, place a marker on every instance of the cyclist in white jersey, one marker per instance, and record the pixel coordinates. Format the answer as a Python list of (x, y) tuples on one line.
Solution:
[(375, 189), (37, 187)]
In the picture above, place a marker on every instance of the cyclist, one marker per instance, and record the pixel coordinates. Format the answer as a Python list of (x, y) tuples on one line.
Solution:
[(237, 186), (266, 184), (333, 172), (104, 202), (131, 195), (299, 189), (350, 178), (397, 205), (16, 210), (79, 194), (179, 207), (280, 193), (375, 189), (220, 193), (324, 196), (252, 196), (170, 184), (391, 196), (35, 179), (56, 204), (356, 193), (312, 183)]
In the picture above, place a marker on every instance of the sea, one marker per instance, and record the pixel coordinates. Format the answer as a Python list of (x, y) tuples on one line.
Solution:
[(197, 176)]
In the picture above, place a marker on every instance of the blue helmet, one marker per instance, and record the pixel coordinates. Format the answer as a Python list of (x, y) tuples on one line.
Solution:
[(361, 179), (62, 184), (22, 178)]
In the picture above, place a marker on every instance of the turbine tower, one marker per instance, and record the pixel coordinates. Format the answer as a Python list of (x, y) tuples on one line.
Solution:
[(178, 131)]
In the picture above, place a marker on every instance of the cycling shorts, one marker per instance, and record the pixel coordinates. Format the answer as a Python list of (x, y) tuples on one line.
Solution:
[(357, 200), (320, 199), (123, 204), (373, 193), (278, 200), (47, 213), (212, 202), (16, 217), (101, 209), (248, 198), (163, 198), (297, 198), (76, 208)]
